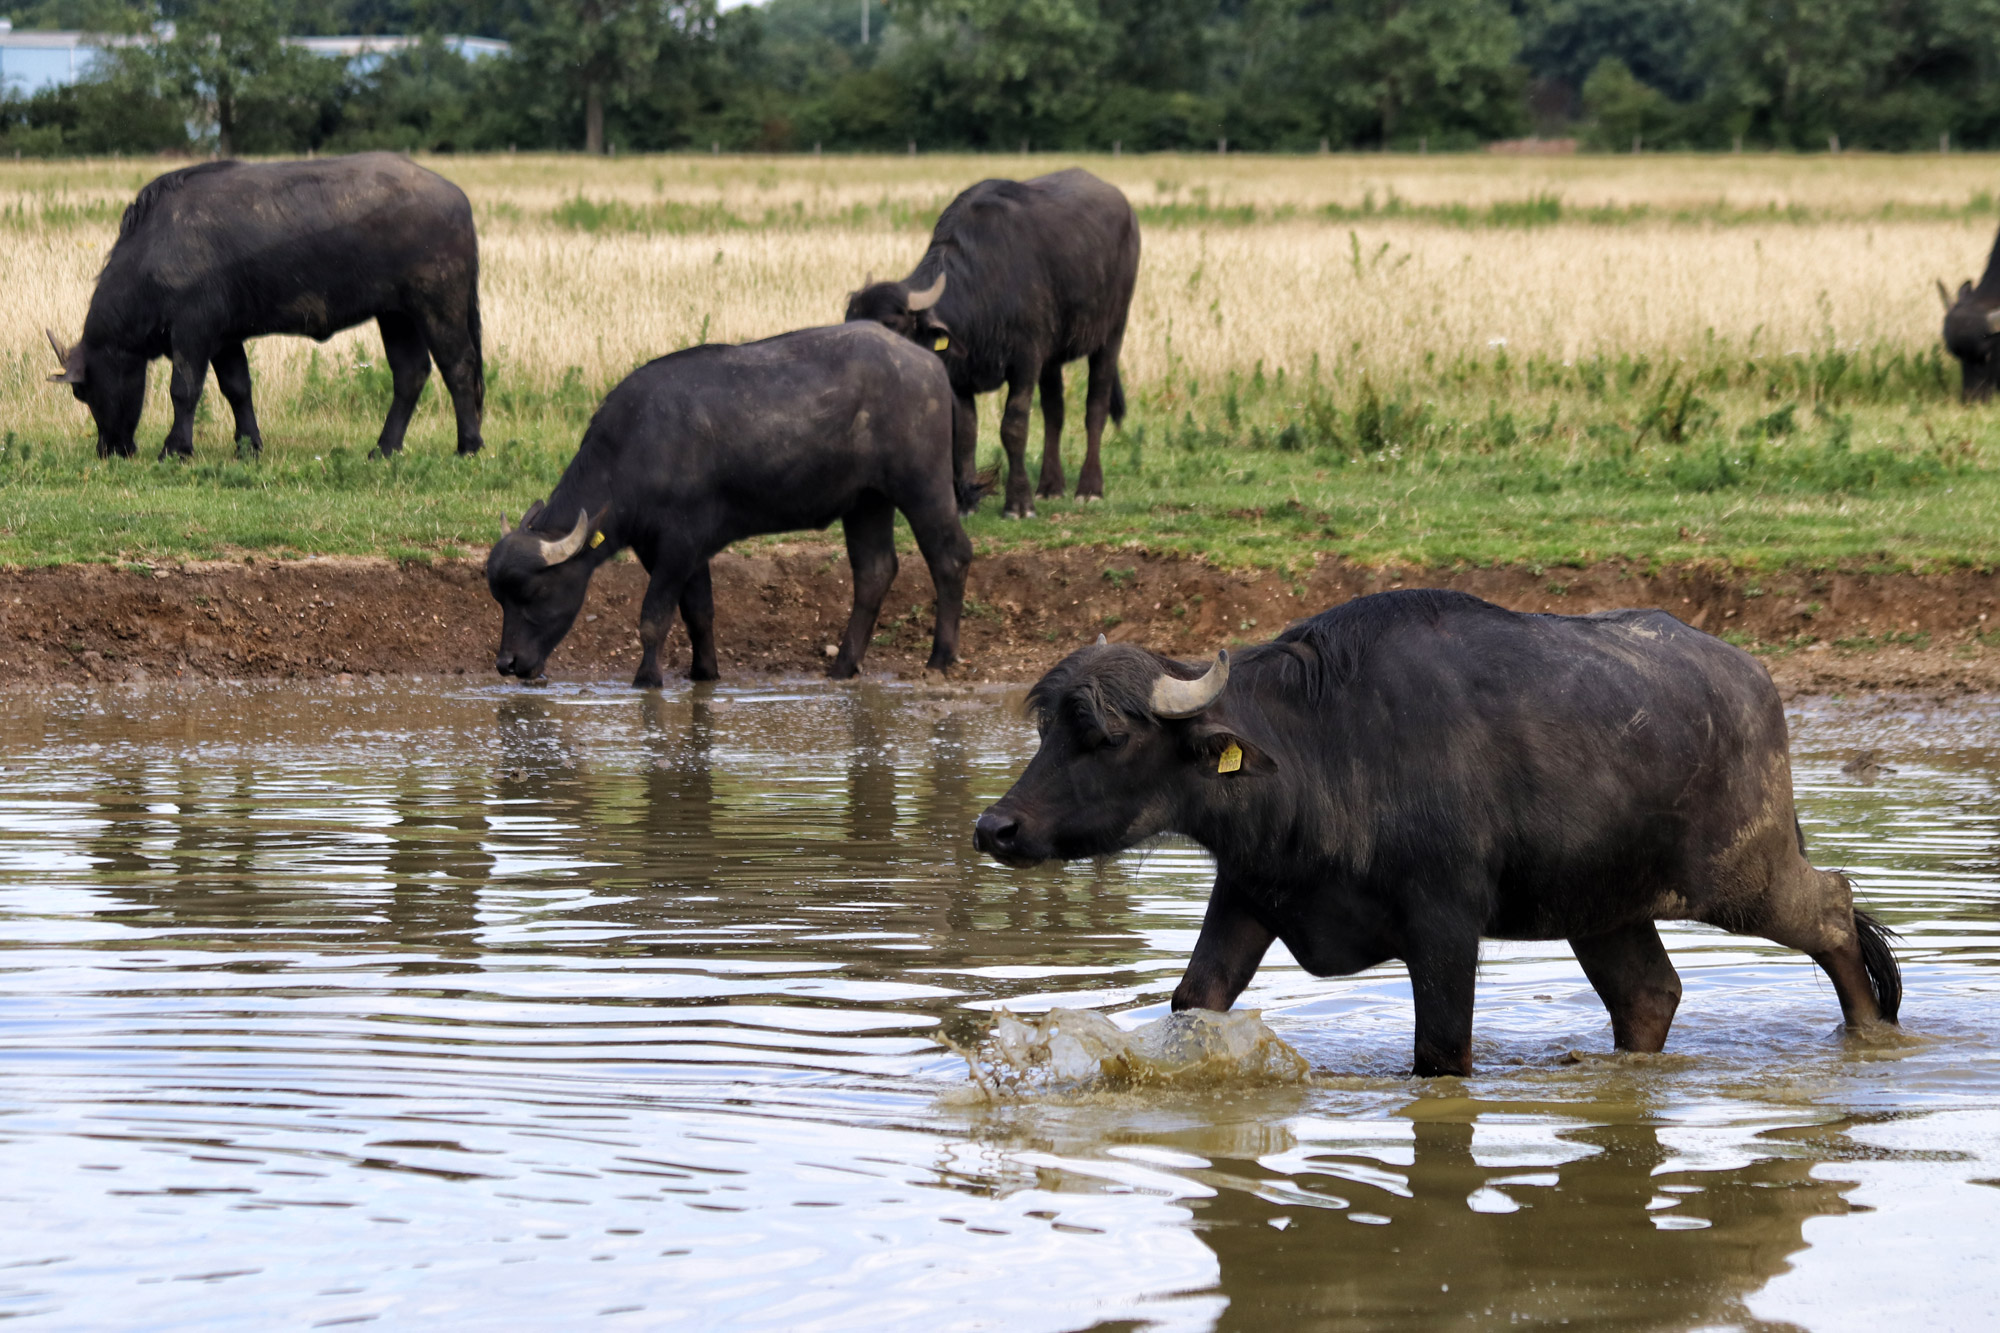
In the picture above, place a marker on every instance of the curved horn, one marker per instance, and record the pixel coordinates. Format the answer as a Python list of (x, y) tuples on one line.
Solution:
[(1174, 697), (62, 353), (928, 297), (1100, 641), (554, 553), (506, 526), (1944, 294), (1993, 320)]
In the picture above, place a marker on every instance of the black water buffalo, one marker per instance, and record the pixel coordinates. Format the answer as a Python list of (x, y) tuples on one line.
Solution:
[(214, 254), (1021, 278), (715, 443), (1972, 331), (1401, 775)]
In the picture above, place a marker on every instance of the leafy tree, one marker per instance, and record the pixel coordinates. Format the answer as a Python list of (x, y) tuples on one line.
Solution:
[(599, 53), (1624, 112)]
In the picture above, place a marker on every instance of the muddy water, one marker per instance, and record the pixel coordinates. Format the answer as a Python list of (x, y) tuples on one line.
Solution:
[(506, 1008)]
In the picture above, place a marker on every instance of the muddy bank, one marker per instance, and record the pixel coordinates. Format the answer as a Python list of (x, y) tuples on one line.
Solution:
[(777, 608)]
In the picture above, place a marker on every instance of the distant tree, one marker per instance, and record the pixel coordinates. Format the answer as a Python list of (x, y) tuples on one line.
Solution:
[(1621, 111), (227, 64), (599, 53), (991, 73)]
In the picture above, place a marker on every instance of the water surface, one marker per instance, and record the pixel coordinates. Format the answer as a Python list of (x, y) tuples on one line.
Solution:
[(507, 1008)]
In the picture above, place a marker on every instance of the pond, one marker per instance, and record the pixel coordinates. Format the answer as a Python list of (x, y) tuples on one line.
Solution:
[(422, 1002)]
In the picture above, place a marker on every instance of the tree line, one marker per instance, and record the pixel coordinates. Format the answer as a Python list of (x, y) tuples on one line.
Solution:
[(794, 75)]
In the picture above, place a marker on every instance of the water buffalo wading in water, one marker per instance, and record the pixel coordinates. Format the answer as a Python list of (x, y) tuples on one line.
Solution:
[(1972, 330), (214, 254), (1402, 775), (716, 443), (1021, 278)]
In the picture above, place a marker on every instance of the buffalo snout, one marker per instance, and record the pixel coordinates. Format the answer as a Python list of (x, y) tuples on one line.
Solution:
[(998, 834)]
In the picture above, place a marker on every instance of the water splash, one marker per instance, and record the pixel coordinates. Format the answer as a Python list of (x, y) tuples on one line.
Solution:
[(1080, 1050)]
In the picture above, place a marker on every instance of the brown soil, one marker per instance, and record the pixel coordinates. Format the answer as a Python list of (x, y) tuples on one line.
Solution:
[(776, 609)]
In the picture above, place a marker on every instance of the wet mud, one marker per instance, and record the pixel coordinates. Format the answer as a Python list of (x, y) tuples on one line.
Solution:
[(778, 606)]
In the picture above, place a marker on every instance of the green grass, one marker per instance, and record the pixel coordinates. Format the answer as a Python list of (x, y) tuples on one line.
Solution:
[(582, 213), (1836, 458)]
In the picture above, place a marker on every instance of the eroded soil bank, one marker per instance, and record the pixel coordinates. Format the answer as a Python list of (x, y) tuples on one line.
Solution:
[(777, 608)]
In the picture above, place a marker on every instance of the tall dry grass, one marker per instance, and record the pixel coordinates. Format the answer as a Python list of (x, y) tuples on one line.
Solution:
[(1392, 296)]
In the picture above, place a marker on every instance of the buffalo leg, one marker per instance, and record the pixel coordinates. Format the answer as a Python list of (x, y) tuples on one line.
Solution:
[(965, 452), (1096, 409), (698, 614), (1443, 974), (871, 556), (948, 553), (409, 367), (459, 364), (190, 369), (1226, 955), (1052, 424), (656, 617), (1632, 974), (232, 376), (1014, 439)]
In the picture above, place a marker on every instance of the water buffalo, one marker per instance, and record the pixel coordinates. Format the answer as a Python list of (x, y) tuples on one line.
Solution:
[(715, 443), (214, 254), (1404, 774), (1021, 278), (1972, 331)]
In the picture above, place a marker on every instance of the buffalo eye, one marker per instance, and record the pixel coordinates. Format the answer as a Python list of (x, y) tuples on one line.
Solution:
[(1094, 739)]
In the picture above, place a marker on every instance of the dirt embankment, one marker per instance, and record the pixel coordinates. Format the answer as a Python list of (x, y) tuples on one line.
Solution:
[(776, 609)]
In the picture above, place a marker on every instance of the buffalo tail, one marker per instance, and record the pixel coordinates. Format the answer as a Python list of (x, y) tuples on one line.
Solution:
[(983, 484), (1117, 396), (1884, 977)]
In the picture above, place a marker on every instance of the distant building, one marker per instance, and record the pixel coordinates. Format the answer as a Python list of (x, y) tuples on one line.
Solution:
[(31, 61)]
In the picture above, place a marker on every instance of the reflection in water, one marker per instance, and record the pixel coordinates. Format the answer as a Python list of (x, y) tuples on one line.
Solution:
[(515, 1007)]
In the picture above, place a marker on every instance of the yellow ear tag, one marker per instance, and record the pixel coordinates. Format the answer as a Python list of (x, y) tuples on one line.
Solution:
[(1231, 760), (597, 539), (941, 343)]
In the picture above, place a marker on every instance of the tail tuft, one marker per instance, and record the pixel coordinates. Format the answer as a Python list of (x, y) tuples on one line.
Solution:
[(1884, 977), (970, 493), (1117, 396)]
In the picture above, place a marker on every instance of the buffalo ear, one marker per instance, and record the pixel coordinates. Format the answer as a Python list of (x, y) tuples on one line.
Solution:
[(534, 512), (1212, 745)]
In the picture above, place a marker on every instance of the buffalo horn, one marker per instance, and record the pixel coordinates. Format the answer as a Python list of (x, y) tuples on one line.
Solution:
[(1100, 641), (506, 526), (1993, 320), (554, 553), (1944, 294), (1174, 697), (928, 297), (72, 369)]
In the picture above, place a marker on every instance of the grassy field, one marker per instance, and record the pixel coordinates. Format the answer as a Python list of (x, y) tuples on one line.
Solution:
[(1417, 359)]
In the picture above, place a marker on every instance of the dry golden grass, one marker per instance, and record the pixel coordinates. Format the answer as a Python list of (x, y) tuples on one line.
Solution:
[(1380, 295)]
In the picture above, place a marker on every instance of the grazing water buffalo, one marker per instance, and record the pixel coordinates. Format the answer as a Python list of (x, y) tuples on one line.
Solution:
[(1972, 331), (211, 255), (715, 443), (1399, 776), (1021, 278)]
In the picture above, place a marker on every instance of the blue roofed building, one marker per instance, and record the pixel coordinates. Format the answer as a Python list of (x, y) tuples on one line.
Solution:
[(32, 61)]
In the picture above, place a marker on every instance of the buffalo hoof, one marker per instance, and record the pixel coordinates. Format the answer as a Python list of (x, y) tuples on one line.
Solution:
[(703, 673), (468, 450), (648, 680), (1047, 492), (841, 670), (1028, 512), (1096, 497)]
